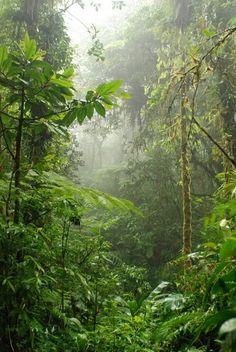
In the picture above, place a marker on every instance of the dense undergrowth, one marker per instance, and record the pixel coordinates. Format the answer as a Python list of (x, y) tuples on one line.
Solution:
[(63, 289)]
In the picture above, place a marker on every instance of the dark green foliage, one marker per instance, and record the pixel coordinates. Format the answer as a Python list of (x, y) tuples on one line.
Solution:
[(48, 263), (41, 279), (84, 270)]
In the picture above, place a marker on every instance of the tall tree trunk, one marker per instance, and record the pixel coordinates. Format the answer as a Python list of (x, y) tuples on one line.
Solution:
[(183, 10), (17, 168), (186, 180), (29, 8)]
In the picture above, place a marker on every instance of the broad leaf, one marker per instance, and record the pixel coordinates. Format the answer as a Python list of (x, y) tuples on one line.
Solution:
[(105, 99), (81, 114), (228, 248), (109, 88), (3, 55), (90, 95), (62, 82), (90, 110), (29, 47), (68, 72), (218, 319), (228, 326), (69, 118), (125, 95), (100, 109)]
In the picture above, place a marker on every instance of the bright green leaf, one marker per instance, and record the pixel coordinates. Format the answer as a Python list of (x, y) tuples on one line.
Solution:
[(3, 55), (105, 99), (228, 248), (108, 88), (208, 33), (125, 95), (62, 82), (29, 47), (68, 72)]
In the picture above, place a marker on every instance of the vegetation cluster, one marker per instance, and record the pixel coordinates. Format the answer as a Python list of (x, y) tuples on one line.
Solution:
[(118, 202)]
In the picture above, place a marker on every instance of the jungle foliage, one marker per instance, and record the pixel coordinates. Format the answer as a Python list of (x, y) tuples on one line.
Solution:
[(135, 249)]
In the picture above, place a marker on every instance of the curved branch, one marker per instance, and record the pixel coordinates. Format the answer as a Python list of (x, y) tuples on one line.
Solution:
[(214, 142)]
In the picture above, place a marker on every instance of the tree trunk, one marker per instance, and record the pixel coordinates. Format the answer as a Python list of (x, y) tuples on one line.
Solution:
[(186, 181), (29, 8), (17, 168)]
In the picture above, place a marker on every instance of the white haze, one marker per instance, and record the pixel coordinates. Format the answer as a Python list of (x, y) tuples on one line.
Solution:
[(108, 152), (79, 20)]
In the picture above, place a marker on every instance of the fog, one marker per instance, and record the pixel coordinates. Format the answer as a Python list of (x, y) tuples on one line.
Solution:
[(104, 17), (117, 175), (105, 143)]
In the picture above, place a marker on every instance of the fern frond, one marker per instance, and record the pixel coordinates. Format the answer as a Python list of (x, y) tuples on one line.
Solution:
[(62, 188), (171, 329)]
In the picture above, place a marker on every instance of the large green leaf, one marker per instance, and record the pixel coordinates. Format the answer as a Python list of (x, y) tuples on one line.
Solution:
[(214, 278), (3, 55), (62, 188), (100, 108), (57, 129), (42, 66), (109, 88), (225, 283), (68, 72), (69, 118), (62, 82), (218, 319), (29, 47), (105, 99), (90, 110), (81, 113), (228, 326), (228, 248), (169, 330)]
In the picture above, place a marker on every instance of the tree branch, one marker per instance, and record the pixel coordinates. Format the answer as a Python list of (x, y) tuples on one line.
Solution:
[(214, 142), (38, 118), (5, 140)]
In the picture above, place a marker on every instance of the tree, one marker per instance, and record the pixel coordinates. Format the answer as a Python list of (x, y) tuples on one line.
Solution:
[(182, 16), (29, 82)]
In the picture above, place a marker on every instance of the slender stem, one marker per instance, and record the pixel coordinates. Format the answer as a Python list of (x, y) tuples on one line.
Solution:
[(95, 317), (9, 196), (64, 245), (95, 309), (68, 6)]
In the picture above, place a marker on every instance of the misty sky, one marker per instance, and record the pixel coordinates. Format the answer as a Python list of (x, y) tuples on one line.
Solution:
[(106, 18), (78, 19)]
